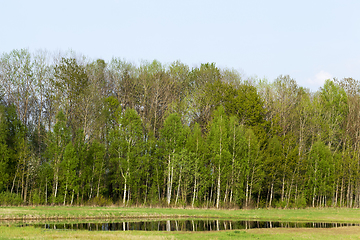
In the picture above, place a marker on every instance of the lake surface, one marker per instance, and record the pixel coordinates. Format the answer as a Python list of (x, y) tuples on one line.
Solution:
[(184, 225)]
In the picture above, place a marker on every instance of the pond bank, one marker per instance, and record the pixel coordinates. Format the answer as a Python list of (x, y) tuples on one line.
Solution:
[(73, 212)]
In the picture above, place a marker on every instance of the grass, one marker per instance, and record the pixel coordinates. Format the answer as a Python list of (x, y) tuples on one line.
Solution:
[(57, 213), (36, 233), (65, 212)]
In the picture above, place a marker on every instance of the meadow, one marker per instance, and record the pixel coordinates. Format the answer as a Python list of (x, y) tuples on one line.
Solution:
[(10, 215), (87, 212), (273, 233)]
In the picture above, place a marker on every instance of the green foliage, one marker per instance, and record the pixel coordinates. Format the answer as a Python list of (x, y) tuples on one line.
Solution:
[(300, 202), (273, 157), (172, 133), (100, 201), (77, 131), (10, 199), (35, 198), (70, 78), (69, 165), (334, 103), (5, 153)]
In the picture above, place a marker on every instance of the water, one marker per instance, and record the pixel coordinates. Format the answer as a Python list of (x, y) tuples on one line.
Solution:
[(184, 225)]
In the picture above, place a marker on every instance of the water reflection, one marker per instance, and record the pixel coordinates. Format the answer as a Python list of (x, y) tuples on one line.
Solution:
[(186, 225)]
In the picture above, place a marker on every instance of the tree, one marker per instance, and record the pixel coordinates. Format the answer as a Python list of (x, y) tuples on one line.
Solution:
[(126, 145), (71, 82), (5, 153), (218, 146), (320, 171), (98, 154), (250, 163), (18, 82), (173, 139), (123, 83), (58, 140), (201, 98), (352, 133), (237, 149), (69, 166), (196, 148), (272, 165), (334, 102)]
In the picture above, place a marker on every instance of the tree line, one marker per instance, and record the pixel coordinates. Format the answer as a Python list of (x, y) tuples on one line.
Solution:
[(78, 131)]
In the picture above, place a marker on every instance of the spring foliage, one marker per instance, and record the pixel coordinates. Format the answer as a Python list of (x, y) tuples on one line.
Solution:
[(76, 131)]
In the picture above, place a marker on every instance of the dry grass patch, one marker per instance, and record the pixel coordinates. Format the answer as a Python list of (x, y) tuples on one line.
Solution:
[(35, 233), (311, 233)]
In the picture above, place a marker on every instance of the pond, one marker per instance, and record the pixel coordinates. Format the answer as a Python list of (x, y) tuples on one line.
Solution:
[(182, 225)]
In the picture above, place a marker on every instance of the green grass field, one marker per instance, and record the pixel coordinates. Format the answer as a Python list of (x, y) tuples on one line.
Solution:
[(60, 212), (86, 213), (273, 233)]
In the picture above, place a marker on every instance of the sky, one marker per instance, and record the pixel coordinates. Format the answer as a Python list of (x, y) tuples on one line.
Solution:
[(310, 40)]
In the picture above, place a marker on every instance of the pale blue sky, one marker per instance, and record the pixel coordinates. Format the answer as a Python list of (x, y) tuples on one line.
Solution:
[(309, 40)]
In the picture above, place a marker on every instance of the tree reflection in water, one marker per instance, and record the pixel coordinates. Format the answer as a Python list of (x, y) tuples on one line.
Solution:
[(184, 225)]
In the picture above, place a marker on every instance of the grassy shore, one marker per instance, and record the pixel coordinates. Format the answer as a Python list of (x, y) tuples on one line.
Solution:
[(273, 233), (47, 213), (64, 212)]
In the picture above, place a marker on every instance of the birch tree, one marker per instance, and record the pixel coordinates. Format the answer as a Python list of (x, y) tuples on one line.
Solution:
[(126, 145), (5, 152), (69, 166), (173, 140), (196, 147), (219, 147), (56, 147)]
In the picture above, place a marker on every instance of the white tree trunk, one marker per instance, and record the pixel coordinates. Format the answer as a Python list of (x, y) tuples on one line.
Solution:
[(124, 199), (218, 190), (178, 190)]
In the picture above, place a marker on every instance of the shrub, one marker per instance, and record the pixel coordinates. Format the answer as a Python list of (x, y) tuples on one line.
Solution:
[(35, 198), (280, 204), (300, 202), (100, 201), (10, 199)]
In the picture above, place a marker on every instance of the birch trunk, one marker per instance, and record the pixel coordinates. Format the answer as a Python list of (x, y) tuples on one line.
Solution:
[(219, 183), (168, 183), (218, 190), (178, 190), (194, 193), (271, 193), (98, 187)]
